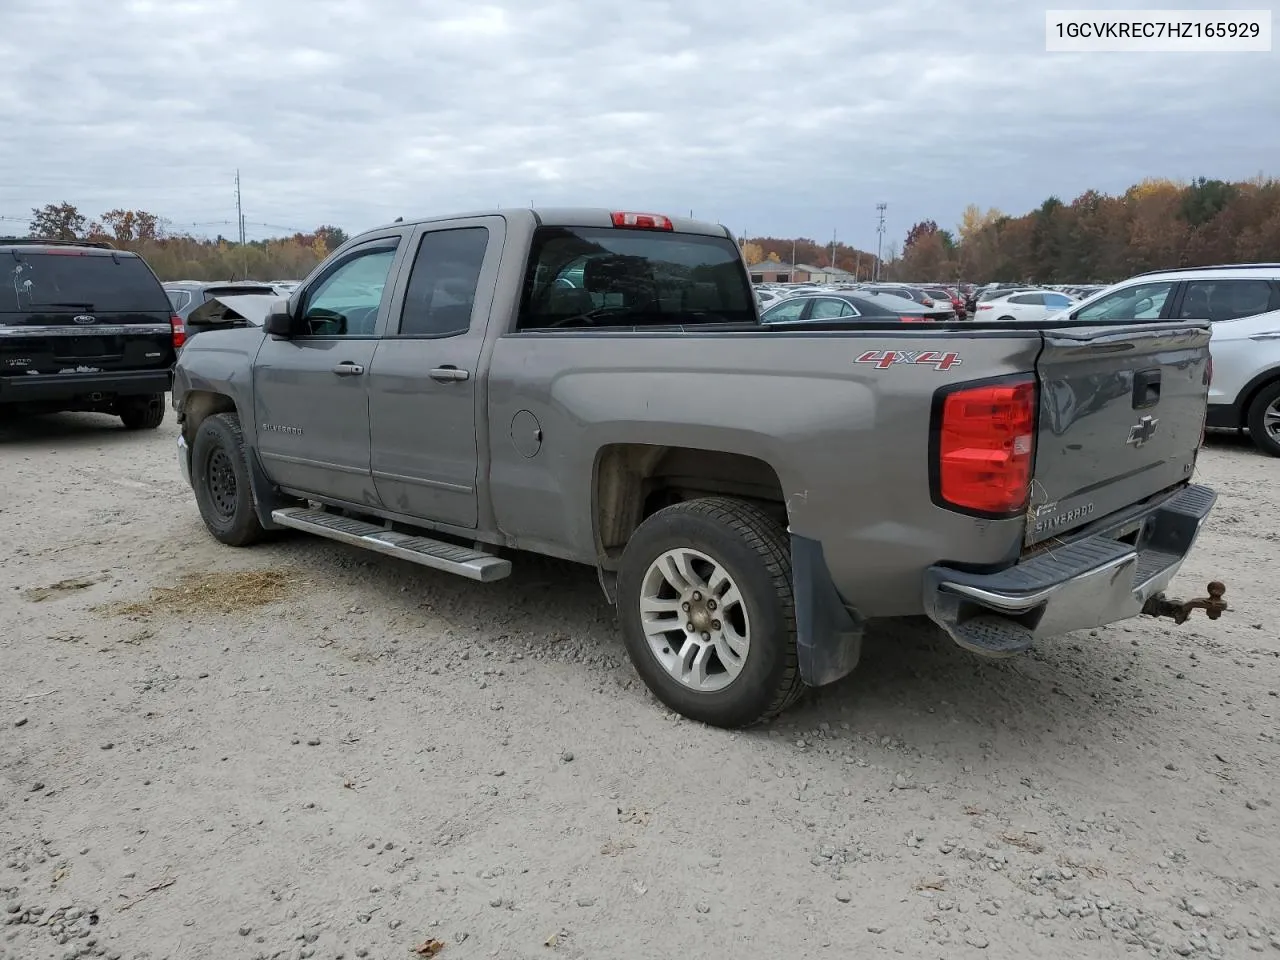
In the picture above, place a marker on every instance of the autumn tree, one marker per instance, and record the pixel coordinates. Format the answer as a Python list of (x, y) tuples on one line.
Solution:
[(753, 253), (332, 237), (922, 229), (57, 221)]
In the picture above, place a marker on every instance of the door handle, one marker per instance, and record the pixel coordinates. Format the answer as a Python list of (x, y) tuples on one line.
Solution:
[(348, 369), (449, 374), (1146, 388)]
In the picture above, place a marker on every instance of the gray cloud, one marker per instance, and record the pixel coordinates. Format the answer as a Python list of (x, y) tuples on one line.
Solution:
[(771, 117)]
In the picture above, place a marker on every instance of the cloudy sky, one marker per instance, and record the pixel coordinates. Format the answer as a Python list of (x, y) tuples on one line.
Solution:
[(784, 118)]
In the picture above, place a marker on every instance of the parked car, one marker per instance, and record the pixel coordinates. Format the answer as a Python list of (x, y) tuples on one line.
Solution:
[(943, 295), (431, 393), (186, 295), (865, 304), (228, 310), (84, 327), (1023, 305), (913, 293), (1242, 302)]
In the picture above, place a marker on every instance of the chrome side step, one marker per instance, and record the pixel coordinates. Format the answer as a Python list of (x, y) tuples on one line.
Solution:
[(424, 551)]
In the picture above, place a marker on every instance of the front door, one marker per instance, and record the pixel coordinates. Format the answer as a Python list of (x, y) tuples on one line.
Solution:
[(423, 389), (311, 398)]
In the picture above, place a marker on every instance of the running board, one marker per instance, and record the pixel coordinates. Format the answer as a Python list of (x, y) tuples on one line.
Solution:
[(436, 554)]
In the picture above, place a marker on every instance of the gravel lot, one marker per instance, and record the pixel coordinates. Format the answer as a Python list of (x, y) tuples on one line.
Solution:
[(305, 750)]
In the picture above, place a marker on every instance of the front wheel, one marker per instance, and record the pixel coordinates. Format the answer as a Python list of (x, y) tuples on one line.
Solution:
[(220, 478), (1264, 419), (708, 614), (142, 413)]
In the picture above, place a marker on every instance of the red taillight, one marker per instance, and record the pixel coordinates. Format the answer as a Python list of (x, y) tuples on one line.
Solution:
[(914, 318), (179, 331), (642, 221), (926, 302), (986, 446)]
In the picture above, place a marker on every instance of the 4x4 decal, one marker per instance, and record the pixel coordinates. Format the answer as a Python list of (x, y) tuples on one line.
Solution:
[(884, 359)]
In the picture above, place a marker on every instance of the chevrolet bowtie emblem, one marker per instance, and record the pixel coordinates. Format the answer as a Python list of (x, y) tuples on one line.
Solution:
[(1142, 431)]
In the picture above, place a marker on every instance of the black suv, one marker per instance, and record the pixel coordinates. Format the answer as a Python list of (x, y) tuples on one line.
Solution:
[(84, 327)]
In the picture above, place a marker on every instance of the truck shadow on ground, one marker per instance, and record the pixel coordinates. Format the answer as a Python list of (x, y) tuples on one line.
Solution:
[(913, 683)]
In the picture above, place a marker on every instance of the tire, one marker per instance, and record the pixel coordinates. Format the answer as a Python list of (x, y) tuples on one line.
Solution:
[(220, 478), (737, 683), (142, 413), (1266, 405)]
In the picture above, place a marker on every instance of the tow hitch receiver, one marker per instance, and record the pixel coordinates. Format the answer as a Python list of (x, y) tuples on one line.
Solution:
[(1213, 605)]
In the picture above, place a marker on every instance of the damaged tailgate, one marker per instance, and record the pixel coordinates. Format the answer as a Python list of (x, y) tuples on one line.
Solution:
[(1122, 411)]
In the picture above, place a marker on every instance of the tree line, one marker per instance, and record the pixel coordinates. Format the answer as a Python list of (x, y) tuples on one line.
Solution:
[(181, 256), (1096, 238)]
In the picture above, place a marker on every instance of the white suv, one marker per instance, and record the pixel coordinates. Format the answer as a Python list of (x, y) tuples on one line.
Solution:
[(1244, 304)]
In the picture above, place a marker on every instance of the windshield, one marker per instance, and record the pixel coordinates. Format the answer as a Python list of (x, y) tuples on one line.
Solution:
[(85, 282), (607, 277)]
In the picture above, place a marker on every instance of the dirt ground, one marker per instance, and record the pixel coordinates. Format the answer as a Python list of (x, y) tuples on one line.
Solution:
[(305, 750)]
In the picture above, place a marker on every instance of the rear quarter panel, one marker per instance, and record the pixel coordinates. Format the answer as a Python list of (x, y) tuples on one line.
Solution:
[(848, 440)]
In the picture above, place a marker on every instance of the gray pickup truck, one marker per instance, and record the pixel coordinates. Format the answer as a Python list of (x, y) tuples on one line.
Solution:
[(597, 386)]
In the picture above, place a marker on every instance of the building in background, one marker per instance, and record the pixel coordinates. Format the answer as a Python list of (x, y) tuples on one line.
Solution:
[(771, 272)]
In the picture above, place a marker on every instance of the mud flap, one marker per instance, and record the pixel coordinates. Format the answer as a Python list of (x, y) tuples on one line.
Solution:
[(266, 498), (828, 636)]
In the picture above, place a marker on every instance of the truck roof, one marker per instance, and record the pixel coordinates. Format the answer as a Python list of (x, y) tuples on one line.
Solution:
[(567, 217)]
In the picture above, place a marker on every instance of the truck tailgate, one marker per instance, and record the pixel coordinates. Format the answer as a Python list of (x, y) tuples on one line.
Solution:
[(1121, 418)]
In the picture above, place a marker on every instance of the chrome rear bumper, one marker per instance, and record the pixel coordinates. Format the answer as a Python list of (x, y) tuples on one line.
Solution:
[(1099, 579)]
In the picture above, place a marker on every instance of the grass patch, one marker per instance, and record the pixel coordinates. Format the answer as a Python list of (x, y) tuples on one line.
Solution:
[(213, 592)]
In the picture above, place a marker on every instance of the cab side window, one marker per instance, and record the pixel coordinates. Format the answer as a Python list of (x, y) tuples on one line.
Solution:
[(345, 302), (443, 282)]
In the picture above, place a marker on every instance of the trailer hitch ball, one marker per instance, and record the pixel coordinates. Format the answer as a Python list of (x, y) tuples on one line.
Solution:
[(1179, 611)]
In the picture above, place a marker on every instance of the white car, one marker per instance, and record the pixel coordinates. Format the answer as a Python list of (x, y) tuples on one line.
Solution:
[(1243, 302), (1023, 305)]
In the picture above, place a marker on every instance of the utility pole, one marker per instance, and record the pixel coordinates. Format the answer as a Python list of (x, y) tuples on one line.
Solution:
[(791, 276), (832, 265), (880, 209), (244, 254)]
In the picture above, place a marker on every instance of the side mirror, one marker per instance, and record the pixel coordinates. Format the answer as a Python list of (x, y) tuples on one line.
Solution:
[(279, 321)]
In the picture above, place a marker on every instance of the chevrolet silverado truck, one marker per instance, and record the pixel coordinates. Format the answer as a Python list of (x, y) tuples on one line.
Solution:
[(597, 386)]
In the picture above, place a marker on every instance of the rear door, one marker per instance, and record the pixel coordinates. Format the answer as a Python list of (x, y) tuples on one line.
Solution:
[(310, 392), (1122, 411), (423, 389), (81, 310)]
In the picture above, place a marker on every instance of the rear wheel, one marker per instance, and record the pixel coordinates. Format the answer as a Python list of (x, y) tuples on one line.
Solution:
[(708, 615), (141, 413), (220, 478), (1264, 419)]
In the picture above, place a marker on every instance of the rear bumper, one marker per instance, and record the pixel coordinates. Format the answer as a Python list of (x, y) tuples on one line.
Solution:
[(1105, 577), (46, 387)]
